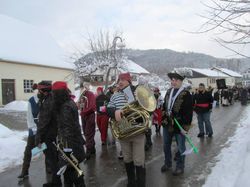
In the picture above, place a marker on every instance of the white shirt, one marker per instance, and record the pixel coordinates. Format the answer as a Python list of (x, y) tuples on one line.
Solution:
[(30, 119)]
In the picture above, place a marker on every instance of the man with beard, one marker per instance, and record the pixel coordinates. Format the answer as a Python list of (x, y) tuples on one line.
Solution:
[(47, 131), (69, 132), (87, 107), (177, 107)]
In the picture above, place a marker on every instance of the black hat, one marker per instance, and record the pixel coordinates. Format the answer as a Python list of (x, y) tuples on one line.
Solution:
[(180, 73), (175, 75)]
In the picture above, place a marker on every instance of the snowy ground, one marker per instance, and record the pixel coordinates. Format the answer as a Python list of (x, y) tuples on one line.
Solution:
[(15, 106), (232, 169), (12, 145)]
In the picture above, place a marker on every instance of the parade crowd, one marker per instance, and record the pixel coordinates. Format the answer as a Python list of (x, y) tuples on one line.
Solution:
[(53, 119)]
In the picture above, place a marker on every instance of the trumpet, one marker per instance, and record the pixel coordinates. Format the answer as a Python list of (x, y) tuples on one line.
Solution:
[(71, 160)]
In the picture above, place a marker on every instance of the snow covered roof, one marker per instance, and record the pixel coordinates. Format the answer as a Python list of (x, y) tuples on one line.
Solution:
[(227, 71), (132, 67), (209, 72), (24, 43)]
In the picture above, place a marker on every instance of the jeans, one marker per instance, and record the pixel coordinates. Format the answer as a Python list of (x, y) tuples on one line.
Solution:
[(204, 118), (180, 140)]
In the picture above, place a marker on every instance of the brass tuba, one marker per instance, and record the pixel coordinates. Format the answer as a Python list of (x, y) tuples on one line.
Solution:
[(135, 116)]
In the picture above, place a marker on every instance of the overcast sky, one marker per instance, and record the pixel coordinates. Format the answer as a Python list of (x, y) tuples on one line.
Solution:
[(146, 24)]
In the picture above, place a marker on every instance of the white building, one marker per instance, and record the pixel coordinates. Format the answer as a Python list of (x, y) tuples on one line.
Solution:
[(28, 55), (206, 76), (233, 78), (98, 78)]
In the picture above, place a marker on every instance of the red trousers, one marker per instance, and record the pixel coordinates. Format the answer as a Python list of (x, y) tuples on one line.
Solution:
[(102, 121)]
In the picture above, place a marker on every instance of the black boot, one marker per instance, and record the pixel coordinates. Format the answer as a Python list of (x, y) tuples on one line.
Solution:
[(80, 182), (130, 169), (24, 174), (140, 176)]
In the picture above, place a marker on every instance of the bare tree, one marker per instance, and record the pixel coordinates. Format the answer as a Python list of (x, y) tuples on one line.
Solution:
[(105, 54), (228, 17)]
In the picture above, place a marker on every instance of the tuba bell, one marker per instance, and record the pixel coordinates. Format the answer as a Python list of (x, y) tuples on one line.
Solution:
[(136, 115)]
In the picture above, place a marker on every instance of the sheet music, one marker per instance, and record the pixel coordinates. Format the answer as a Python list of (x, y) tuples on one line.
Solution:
[(129, 95)]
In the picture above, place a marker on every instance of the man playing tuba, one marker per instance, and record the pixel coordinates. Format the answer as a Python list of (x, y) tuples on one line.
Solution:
[(132, 147)]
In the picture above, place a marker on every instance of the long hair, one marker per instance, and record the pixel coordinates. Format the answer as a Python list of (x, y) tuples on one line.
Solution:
[(60, 97)]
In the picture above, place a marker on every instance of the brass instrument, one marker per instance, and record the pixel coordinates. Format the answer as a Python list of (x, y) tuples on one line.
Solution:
[(72, 160), (135, 116)]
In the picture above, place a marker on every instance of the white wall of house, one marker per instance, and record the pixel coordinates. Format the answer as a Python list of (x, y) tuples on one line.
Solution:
[(20, 72), (197, 81)]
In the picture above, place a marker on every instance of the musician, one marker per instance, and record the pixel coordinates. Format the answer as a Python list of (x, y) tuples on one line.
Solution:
[(102, 119), (32, 120), (69, 132), (177, 105), (203, 101), (132, 148), (47, 131), (87, 108)]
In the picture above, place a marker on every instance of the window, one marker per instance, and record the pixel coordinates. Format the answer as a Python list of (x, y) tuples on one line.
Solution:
[(27, 86), (212, 81)]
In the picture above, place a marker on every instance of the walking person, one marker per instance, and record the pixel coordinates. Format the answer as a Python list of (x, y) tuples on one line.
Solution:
[(203, 102), (47, 132), (133, 147), (88, 107), (102, 118), (32, 120), (69, 133), (177, 106)]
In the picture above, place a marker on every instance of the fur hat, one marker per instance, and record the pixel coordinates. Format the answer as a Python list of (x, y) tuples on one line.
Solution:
[(180, 73)]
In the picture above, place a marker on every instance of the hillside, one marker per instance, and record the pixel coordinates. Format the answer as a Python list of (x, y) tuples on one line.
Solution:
[(161, 61)]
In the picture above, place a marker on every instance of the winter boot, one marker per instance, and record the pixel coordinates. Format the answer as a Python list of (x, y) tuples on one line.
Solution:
[(178, 172), (140, 176), (200, 135), (80, 182), (130, 169), (24, 174)]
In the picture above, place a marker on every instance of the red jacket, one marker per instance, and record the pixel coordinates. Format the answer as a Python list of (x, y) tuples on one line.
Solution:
[(89, 104)]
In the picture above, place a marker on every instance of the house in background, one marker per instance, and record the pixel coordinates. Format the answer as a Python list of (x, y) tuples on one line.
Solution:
[(98, 78), (246, 78), (206, 76), (27, 56), (233, 78)]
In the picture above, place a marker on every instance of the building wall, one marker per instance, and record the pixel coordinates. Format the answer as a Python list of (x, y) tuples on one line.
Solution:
[(19, 72)]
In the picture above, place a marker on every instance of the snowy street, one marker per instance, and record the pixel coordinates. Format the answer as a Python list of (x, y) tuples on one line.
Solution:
[(106, 170)]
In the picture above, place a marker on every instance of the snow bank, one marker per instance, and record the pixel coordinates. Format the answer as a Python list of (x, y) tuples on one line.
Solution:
[(11, 147), (16, 105), (233, 168)]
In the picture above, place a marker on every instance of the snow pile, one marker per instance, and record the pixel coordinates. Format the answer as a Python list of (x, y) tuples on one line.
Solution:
[(11, 147), (16, 105), (233, 167)]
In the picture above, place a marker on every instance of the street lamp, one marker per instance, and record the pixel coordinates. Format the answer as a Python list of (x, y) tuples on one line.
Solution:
[(113, 55)]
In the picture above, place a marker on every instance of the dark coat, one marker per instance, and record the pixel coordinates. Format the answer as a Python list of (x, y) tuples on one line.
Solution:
[(182, 111), (46, 127), (200, 99), (101, 101), (69, 130)]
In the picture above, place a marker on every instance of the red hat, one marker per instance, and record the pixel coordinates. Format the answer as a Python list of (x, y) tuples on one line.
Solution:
[(99, 89), (125, 76), (60, 85)]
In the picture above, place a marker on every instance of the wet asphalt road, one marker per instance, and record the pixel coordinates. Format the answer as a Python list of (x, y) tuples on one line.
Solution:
[(106, 170)]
